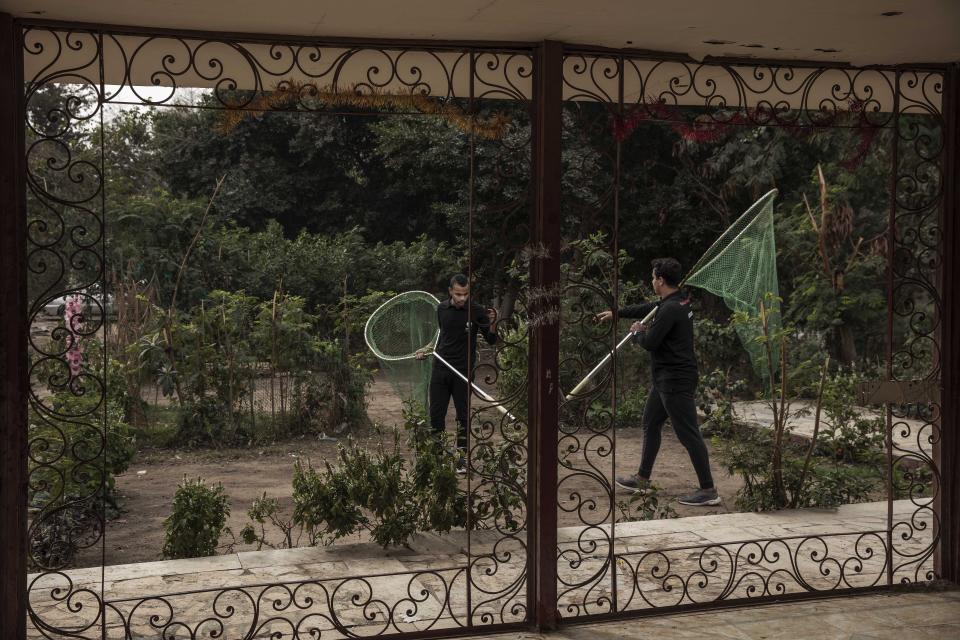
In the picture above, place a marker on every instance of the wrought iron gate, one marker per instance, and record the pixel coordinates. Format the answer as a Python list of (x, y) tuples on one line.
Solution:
[(606, 567), (564, 557)]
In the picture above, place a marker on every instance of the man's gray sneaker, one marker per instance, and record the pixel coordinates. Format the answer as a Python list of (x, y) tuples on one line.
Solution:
[(461, 465), (701, 498), (633, 483)]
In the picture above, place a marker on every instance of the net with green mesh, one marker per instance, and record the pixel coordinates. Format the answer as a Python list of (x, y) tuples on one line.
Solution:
[(395, 332), (741, 268)]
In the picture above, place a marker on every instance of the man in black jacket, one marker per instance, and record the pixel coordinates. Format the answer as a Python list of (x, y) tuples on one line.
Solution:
[(459, 326), (669, 339)]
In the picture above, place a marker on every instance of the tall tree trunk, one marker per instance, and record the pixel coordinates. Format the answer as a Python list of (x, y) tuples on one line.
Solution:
[(846, 347)]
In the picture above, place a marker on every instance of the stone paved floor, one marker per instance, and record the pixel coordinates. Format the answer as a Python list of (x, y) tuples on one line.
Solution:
[(895, 616), (659, 563)]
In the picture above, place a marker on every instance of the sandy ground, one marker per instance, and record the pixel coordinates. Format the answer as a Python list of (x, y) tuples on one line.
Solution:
[(146, 489)]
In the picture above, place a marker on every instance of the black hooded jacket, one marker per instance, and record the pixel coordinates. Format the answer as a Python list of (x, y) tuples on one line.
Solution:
[(669, 339), (458, 329)]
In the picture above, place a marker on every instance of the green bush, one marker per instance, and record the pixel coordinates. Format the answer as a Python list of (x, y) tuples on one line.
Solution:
[(364, 491), (512, 367), (645, 505), (79, 440), (716, 393), (198, 519), (498, 499), (73, 466), (228, 343), (779, 471), (718, 347), (377, 491), (829, 482), (265, 510), (630, 409), (847, 435), (202, 421)]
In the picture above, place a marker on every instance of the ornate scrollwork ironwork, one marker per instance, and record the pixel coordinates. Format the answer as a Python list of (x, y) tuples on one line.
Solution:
[(587, 439), (915, 238), (621, 92), (73, 74), (699, 574), (71, 77)]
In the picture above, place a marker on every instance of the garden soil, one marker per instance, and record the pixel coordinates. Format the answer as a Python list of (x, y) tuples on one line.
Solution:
[(146, 489)]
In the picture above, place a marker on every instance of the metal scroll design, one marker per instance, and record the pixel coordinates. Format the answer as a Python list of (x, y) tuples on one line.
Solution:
[(499, 227), (586, 438), (67, 441), (759, 95), (915, 319), (68, 84), (619, 94), (238, 74), (694, 575), (345, 607)]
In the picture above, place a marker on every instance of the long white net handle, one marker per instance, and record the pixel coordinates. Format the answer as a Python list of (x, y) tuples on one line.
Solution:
[(483, 394), (606, 358)]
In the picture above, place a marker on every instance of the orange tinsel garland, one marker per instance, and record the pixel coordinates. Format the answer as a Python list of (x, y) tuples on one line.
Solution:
[(288, 92)]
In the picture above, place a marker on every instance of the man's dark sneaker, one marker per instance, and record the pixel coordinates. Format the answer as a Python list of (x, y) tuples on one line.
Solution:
[(633, 483), (461, 461), (701, 498)]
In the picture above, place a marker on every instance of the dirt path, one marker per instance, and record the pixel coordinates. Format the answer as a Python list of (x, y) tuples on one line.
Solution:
[(146, 489)]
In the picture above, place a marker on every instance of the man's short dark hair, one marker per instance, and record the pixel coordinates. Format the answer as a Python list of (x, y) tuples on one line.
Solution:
[(460, 280), (669, 269)]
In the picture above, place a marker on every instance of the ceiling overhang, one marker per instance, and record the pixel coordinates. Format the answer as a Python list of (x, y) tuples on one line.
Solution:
[(857, 32)]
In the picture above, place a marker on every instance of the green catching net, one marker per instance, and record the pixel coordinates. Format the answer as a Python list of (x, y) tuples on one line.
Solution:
[(395, 332), (741, 268)]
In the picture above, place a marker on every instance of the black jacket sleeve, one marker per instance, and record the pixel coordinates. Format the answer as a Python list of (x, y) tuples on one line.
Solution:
[(638, 311), (483, 322), (656, 331)]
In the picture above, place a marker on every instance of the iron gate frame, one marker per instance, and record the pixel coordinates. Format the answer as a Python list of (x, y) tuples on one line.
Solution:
[(494, 72), (544, 352), (601, 74)]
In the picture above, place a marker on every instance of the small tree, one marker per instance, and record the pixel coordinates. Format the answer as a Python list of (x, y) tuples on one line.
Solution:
[(840, 293), (780, 471)]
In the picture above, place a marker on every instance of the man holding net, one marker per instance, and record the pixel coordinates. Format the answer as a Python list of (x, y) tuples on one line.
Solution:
[(460, 321), (669, 339)]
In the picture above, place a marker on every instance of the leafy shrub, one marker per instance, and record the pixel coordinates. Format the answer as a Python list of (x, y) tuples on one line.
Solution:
[(716, 393), (229, 342), (363, 492), (198, 519), (645, 505), (499, 500), (202, 421), (73, 467), (513, 365), (79, 440), (265, 511), (378, 491), (630, 409), (848, 435), (718, 347), (781, 471)]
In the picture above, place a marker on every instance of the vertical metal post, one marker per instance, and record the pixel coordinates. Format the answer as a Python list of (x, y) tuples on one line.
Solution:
[(545, 338), (891, 303), (471, 212), (947, 450), (13, 337), (615, 304)]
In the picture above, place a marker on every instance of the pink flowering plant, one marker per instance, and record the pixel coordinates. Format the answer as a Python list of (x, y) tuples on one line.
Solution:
[(73, 315)]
